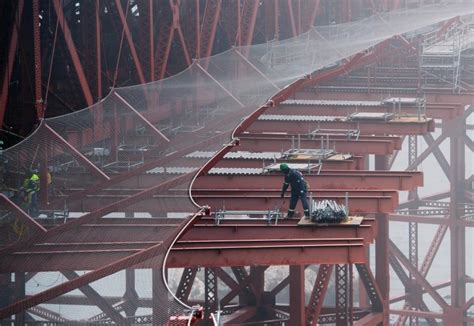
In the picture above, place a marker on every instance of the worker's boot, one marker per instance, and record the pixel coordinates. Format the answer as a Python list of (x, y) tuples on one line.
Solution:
[(306, 214), (291, 213)]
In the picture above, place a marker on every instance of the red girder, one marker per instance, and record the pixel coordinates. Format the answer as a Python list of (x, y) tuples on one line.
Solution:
[(310, 11), (37, 61), (209, 27), (10, 60), (131, 44), (432, 98), (317, 295), (247, 24), (433, 110), (393, 127), (73, 52), (326, 180), (365, 145)]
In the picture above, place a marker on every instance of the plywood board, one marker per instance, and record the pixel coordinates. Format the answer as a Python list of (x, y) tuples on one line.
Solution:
[(352, 220)]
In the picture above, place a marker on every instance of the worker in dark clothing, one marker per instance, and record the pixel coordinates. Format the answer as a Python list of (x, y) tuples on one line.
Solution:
[(298, 189)]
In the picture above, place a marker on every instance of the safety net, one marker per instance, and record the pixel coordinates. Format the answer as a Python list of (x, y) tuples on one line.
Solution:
[(112, 186)]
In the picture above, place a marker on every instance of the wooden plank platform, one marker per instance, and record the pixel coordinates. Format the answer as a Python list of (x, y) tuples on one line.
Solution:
[(352, 220)]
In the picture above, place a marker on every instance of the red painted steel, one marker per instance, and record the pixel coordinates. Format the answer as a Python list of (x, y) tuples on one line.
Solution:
[(131, 44), (10, 60), (340, 144), (326, 180), (393, 127), (73, 52), (37, 61)]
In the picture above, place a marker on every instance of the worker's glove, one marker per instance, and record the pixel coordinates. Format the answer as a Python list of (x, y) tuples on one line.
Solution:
[(282, 195)]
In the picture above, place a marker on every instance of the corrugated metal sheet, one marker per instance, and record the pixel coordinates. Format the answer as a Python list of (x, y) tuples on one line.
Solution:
[(331, 103), (238, 155), (282, 117), (171, 170), (240, 171)]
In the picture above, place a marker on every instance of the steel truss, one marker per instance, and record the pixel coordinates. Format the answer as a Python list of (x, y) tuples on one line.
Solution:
[(449, 215)]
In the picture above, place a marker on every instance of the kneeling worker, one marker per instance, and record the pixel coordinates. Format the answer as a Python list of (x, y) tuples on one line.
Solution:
[(298, 189)]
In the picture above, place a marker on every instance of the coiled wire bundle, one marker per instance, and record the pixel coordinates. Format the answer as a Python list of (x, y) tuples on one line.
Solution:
[(328, 211)]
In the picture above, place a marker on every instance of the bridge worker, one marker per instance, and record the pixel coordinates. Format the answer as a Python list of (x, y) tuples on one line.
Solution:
[(32, 190), (299, 189)]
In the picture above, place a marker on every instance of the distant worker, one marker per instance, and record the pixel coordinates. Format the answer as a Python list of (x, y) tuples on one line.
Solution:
[(298, 189), (32, 188)]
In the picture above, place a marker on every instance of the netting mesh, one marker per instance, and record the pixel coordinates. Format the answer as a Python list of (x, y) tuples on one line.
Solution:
[(122, 163)]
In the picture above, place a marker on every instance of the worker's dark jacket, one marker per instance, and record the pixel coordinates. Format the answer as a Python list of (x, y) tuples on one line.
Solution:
[(297, 182)]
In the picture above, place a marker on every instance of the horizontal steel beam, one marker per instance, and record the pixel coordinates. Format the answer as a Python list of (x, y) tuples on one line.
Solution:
[(393, 127), (434, 110), (353, 163), (464, 98), (311, 251), (366, 202), (339, 180), (258, 228), (357, 205), (341, 145), (269, 255)]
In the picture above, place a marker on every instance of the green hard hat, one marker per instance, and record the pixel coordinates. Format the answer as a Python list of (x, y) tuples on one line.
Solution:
[(284, 167)]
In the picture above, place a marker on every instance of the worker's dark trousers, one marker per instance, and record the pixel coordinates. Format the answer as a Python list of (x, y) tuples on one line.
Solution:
[(294, 200)]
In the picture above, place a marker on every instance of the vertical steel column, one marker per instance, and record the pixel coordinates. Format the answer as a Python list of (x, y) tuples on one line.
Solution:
[(413, 226), (245, 295), (130, 293), (382, 273), (73, 52), (210, 289), (37, 61), (5, 81), (257, 274), (342, 295), (152, 39), (20, 294), (317, 295), (159, 301), (186, 283), (297, 296), (277, 20), (458, 232), (98, 50)]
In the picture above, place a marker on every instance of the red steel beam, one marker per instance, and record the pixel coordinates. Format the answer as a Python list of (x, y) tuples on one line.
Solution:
[(37, 61), (209, 28), (73, 52), (464, 98), (291, 16), (341, 144), (397, 140), (212, 255), (74, 152), (25, 218), (113, 230), (10, 60), (433, 110), (103, 271), (357, 205), (131, 44), (97, 299), (247, 25), (310, 14), (240, 200), (353, 163), (268, 255), (394, 127), (325, 180), (418, 277)]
